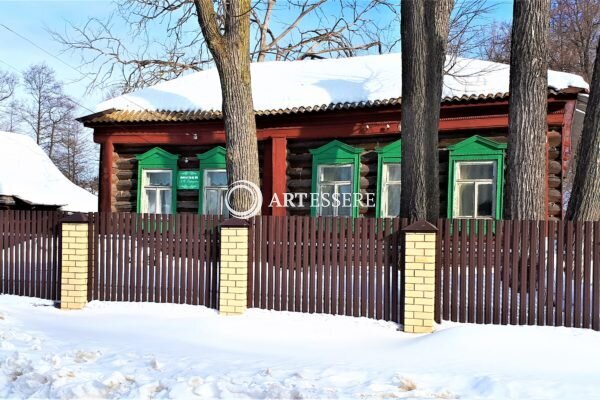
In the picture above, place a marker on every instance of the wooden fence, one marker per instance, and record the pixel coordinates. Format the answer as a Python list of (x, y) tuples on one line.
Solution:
[(519, 272), (155, 258), (326, 265), (29, 253)]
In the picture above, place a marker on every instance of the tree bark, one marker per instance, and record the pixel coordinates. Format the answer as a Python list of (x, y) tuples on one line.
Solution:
[(584, 203), (424, 32), (526, 172), (231, 53)]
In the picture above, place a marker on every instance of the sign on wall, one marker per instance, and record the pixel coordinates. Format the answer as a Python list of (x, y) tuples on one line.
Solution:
[(188, 180)]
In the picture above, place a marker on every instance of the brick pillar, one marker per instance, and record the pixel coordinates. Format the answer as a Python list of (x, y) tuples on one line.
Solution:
[(419, 277), (233, 278), (74, 262)]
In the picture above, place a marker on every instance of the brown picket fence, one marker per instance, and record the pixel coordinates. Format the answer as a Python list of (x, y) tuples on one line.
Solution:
[(519, 272), (326, 265), (154, 258), (30, 253)]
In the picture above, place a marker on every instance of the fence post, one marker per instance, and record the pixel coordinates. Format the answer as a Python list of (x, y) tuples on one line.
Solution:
[(419, 277), (233, 273), (74, 262)]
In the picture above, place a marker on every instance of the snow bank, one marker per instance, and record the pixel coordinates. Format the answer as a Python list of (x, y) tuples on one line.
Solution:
[(27, 173), (310, 83), (141, 350)]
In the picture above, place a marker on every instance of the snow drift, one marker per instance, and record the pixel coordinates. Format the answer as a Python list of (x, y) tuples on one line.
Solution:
[(27, 173)]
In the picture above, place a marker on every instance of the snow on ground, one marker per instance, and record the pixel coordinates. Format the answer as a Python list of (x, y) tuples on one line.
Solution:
[(141, 350), (27, 172), (310, 83)]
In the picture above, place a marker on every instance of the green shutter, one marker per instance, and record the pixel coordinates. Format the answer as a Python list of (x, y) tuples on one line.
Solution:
[(392, 153), (477, 148), (158, 158), (336, 152), (215, 158)]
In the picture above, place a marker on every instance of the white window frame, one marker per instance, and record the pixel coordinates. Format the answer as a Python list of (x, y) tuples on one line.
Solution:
[(220, 189), (336, 185), (477, 182), (386, 182), (157, 189)]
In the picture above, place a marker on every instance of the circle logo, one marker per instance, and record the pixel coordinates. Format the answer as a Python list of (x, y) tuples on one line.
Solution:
[(255, 195)]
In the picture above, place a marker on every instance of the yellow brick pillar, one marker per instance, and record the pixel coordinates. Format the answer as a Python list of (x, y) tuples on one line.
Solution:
[(233, 274), (419, 277), (74, 262)]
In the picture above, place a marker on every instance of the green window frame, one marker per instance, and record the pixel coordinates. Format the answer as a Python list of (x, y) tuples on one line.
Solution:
[(477, 149), (389, 154), (213, 159), (157, 159), (336, 153)]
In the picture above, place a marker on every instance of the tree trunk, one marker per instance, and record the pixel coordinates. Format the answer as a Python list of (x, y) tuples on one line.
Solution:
[(584, 204), (424, 40), (526, 172), (231, 52)]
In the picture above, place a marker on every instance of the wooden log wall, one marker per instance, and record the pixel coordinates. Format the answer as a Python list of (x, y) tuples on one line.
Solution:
[(299, 170), (125, 171)]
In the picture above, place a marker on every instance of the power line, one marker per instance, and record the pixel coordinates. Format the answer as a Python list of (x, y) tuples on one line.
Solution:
[(58, 59)]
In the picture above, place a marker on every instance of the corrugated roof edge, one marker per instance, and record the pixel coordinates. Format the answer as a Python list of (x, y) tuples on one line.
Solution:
[(114, 116)]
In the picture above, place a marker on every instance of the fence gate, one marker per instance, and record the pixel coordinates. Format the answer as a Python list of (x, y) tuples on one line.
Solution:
[(519, 272), (30, 253), (326, 265), (154, 258)]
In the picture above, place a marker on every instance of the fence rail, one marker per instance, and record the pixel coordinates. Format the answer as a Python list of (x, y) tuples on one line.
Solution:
[(519, 272), (29, 253), (326, 265), (155, 258)]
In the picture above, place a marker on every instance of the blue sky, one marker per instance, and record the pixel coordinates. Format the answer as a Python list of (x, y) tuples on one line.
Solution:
[(31, 19)]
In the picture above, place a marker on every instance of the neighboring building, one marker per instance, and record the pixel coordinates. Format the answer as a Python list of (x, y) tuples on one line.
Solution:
[(323, 126), (29, 180)]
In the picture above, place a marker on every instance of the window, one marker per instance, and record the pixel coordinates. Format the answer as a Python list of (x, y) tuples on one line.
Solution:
[(335, 174), (157, 192), (213, 182), (390, 191), (335, 181), (474, 189), (476, 179), (157, 187), (389, 180), (215, 189)]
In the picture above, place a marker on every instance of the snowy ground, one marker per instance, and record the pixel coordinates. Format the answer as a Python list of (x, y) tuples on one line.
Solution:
[(115, 350)]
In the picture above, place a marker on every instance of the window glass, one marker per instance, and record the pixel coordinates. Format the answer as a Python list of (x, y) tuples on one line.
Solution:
[(157, 192), (475, 189), (215, 190), (485, 199), (476, 171), (390, 190), (466, 197), (336, 173), (159, 178), (392, 201), (335, 179), (216, 178), (394, 172)]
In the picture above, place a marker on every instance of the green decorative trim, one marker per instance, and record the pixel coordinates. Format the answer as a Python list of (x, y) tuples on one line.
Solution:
[(215, 158), (158, 158), (392, 153), (477, 148), (336, 153)]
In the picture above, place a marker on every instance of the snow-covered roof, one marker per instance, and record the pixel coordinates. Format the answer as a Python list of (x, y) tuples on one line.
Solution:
[(311, 84), (27, 173)]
